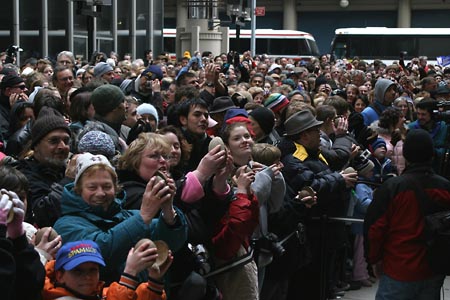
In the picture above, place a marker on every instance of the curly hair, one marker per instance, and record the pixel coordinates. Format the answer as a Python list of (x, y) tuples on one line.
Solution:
[(389, 118)]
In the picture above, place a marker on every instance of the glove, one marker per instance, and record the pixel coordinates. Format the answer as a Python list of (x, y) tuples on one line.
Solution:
[(5, 206), (15, 228)]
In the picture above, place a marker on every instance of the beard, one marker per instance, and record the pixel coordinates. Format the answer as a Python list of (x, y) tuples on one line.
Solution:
[(55, 162)]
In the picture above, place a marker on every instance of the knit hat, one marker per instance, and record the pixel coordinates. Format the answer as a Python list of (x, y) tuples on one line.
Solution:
[(379, 142), (72, 254), (47, 121), (153, 72), (237, 115), (10, 80), (80, 71), (276, 102), (364, 167), (102, 68), (97, 142), (418, 146), (86, 160), (106, 98), (146, 108), (264, 117)]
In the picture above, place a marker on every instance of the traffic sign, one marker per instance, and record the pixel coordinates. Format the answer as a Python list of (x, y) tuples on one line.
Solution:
[(260, 11)]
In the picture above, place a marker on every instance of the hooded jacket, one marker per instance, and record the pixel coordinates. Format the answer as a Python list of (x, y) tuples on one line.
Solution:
[(373, 112), (115, 230)]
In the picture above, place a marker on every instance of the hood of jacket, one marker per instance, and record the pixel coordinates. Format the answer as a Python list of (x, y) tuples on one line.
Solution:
[(380, 89)]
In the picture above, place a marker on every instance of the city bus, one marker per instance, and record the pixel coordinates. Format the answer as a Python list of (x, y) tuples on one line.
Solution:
[(298, 45), (386, 43)]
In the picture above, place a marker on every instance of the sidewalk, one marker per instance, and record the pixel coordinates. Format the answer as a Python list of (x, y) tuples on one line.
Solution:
[(368, 293)]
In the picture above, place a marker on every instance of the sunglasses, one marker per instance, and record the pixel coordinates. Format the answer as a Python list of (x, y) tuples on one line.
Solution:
[(22, 87)]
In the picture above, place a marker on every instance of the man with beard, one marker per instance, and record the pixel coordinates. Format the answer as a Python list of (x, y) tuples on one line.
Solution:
[(437, 129), (46, 167)]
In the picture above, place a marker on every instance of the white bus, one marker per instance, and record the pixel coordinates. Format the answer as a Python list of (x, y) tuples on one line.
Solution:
[(298, 45), (386, 43)]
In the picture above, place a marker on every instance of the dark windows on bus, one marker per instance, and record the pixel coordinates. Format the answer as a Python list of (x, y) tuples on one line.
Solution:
[(389, 46)]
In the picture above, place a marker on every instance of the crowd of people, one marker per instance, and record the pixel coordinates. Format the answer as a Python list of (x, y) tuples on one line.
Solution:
[(242, 166)]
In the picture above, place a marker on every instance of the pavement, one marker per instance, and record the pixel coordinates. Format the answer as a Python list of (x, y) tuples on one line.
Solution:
[(367, 293)]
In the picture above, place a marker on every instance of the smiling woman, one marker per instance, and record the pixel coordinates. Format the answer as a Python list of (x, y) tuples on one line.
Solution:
[(91, 211)]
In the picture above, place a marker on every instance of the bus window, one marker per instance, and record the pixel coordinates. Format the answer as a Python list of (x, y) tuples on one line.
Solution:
[(387, 43)]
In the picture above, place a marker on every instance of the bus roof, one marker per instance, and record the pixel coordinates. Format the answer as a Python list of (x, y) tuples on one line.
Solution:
[(261, 33), (392, 31)]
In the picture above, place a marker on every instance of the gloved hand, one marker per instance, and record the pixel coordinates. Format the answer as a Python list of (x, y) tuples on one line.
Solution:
[(15, 228), (5, 207)]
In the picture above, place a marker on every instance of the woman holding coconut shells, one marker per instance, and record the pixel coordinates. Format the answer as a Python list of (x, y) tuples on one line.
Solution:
[(92, 210)]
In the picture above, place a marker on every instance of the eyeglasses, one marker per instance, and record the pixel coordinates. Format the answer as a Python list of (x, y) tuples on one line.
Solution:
[(57, 140), (158, 156)]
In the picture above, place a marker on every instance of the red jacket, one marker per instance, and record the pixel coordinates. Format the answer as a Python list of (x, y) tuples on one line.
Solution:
[(394, 224), (236, 227)]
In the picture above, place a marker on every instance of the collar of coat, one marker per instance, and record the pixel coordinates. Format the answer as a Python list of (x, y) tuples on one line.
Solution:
[(301, 153)]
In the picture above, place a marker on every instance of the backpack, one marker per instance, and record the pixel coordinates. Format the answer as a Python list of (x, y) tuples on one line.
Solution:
[(436, 233)]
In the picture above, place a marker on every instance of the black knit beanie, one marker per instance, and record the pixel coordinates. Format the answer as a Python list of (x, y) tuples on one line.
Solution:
[(106, 98), (10, 80), (265, 118), (47, 121), (418, 146)]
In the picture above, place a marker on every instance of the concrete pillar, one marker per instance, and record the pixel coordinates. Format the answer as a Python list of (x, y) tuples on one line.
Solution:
[(198, 37), (290, 15), (404, 14), (182, 14)]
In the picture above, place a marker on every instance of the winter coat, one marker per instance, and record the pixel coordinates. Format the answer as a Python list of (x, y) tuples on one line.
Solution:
[(115, 231), (40, 180), (372, 113), (117, 290), (22, 274), (394, 223)]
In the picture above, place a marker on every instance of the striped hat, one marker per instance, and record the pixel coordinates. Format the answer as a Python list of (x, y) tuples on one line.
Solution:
[(276, 102)]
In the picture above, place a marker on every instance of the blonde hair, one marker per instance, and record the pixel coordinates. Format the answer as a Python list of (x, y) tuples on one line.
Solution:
[(131, 159)]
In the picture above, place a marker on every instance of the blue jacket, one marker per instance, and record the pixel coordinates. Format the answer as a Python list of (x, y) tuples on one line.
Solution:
[(116, 231), (373, 112), (439, 136)]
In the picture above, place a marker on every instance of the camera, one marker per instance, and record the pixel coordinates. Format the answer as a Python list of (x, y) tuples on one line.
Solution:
[(403, 54), (270, 243), (201, 256), (339, 92), (442, 113)]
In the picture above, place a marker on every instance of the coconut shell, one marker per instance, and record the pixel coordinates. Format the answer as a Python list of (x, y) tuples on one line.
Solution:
[(216, 141), (305, 192), (38, 236), (161, 247)]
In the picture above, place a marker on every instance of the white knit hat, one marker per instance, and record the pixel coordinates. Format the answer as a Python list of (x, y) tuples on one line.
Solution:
[(146, 108), (86, 160)]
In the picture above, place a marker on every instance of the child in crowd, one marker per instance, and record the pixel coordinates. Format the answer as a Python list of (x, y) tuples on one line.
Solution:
[(363, 193), (383, 167), (76, 270)]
